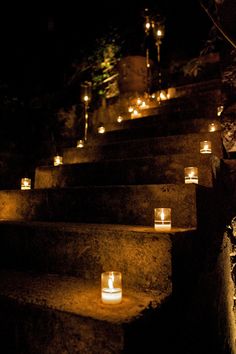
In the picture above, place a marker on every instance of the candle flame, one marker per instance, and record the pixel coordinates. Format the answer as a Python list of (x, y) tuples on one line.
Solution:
[(111, 281), (162, 215)]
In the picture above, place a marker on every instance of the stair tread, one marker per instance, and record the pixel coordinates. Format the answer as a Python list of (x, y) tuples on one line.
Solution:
[(71, 226), (94, 143), (72, 295)]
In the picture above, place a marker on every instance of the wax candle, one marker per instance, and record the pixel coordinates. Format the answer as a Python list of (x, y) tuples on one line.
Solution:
[(111, 287)]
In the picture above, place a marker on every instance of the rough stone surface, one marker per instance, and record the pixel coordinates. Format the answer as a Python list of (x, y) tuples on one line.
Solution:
[(104, 204), (148, 127), (146, 170), (143, 255), (176, 144), (65, 315)]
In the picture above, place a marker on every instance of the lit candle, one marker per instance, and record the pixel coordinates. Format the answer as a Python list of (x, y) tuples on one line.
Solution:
[(162, 219), (205, 147), (191, 174), (111, 287), (212, 127), (25, 183), (57, 160), (119, 119), (101, 129), (135, 114), (220, 110), (80, 144)]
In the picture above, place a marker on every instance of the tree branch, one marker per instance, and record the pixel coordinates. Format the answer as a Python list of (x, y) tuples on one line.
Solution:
[(217, 25)]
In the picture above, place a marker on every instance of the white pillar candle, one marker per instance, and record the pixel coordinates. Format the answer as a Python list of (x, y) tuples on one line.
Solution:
[(162, 219), (111, 287)]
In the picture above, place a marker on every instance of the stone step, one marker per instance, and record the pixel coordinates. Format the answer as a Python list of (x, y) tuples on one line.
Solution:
[(198, 102), (168, 169), (87, 250), (155, 126), (132, 204), (176, 144), (53, 314)]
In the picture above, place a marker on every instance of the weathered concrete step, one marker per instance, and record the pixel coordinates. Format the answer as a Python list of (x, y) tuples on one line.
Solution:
[(144, 170), (108, 204), (86, 250), (155, 127), (52, 314), (194, 103), (175, 144)]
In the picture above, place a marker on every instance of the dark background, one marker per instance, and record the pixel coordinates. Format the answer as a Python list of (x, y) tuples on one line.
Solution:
[(40, 42)]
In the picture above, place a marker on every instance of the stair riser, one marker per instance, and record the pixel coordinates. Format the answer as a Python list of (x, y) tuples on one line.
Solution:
[(138, 129), (143, 258), (114, 204), (178, 144), (165, 169), (29, 329)]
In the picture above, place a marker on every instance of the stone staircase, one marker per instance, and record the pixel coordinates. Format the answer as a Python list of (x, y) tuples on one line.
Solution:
[(94, 213)]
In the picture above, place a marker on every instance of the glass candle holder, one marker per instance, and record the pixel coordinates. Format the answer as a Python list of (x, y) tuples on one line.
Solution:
[(80, 144), (58, 160), (205, 147), (25, 183), (101, 129), (191, 175), (212, 127), (111, 287), (119, 119), (162, 219)]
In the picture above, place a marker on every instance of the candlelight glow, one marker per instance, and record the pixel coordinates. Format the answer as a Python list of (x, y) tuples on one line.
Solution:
[(25, 183), (219, 110), (212, 127), (101, 129), (136, 114), (58, 160), (119, 119), (205, 147), (80, 144)]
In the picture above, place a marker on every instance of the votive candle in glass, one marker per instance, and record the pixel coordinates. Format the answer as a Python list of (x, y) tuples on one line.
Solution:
[(57, 160), (191, 175), (25, 183), (205, 147), (162, 219), (111, 287)]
